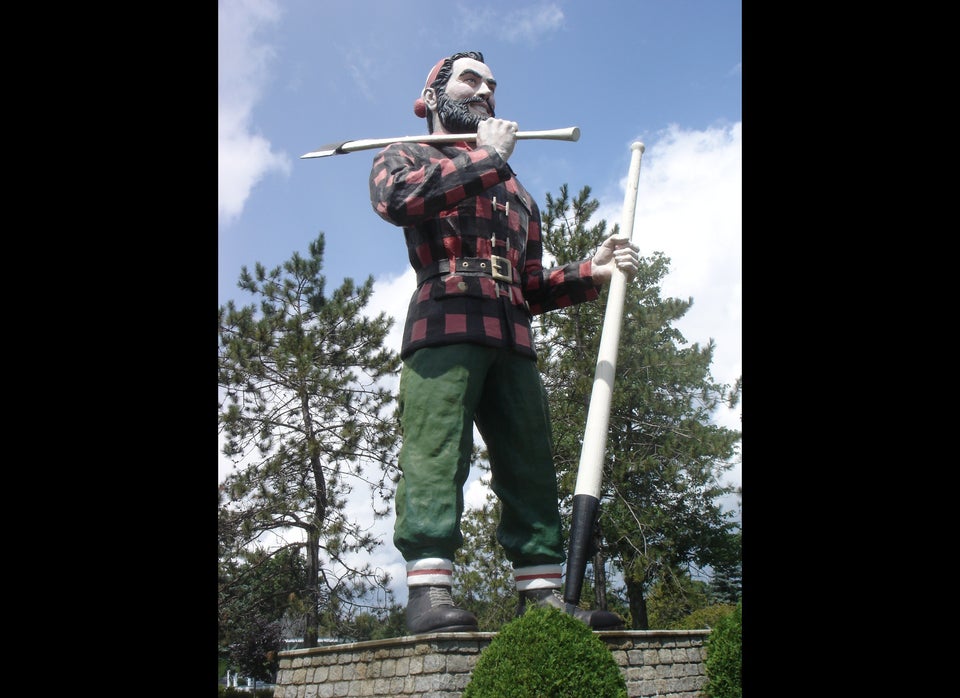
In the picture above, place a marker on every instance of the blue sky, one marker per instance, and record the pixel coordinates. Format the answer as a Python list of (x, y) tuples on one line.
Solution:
[(297, 74)]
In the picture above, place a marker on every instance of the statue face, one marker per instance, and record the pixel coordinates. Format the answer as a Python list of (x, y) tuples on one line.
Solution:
[(467, 98)]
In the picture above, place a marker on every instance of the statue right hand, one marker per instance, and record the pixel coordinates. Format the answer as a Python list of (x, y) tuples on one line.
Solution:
[(499, 133)]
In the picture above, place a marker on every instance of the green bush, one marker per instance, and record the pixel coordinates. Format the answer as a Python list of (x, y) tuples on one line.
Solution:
[(707, 617), (723, 662), (546, 653)]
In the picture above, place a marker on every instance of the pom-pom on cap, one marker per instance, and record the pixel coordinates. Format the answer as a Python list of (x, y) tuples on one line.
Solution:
[(419, 106)]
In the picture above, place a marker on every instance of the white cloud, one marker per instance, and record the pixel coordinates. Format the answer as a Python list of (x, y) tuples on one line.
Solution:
[(244, 157), (529, 24), (524, 25), (689, 207), (361, 65)]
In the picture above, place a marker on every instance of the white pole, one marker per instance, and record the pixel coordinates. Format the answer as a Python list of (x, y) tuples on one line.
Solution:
[(586, 496), (598, 414)]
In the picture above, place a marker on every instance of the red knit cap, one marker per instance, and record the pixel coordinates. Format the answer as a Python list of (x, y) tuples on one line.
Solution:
[(419, 107)]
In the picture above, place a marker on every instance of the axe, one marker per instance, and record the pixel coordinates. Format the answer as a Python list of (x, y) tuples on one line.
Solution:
[(558, 134), (586, 496)]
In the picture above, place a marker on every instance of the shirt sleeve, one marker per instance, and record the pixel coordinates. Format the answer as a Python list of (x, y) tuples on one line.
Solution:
[(553, 287), (412, 182)]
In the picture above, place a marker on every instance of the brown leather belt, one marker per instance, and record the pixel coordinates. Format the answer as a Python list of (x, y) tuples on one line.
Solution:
[(497, 267)]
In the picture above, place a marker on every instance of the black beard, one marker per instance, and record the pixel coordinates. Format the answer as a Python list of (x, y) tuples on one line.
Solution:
[(455, 115)]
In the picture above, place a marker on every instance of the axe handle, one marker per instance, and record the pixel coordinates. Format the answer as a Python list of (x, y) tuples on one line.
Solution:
[(571, 133)]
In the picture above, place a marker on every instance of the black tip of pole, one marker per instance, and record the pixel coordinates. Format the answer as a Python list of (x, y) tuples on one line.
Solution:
[(585, 509)]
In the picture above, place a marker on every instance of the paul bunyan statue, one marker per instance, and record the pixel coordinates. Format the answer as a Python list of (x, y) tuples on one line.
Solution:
[(473, 237)]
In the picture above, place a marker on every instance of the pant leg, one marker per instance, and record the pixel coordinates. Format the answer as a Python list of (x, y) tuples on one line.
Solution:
[(513, 417), (439, 390)]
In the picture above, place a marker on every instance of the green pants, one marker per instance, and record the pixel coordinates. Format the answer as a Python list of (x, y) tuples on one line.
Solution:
[(443, 391)]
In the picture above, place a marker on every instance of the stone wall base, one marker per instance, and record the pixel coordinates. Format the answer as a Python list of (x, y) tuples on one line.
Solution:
[(655, 664)]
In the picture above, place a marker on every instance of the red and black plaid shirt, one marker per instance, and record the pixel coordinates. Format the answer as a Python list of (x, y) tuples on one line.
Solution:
[(462, 204)]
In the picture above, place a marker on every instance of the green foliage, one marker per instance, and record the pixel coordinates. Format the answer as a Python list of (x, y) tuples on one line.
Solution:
[(674, 597), (726, 584), (305, 415), (378, 625), (256, 650), (258, 583), (546, 653), (706, 617), (724, 655), (254, 592)]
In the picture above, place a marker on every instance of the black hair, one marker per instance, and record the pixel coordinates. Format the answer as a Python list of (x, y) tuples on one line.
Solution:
[(439, 83)]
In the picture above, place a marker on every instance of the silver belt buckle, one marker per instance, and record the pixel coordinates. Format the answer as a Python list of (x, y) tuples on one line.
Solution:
[(500, 269)]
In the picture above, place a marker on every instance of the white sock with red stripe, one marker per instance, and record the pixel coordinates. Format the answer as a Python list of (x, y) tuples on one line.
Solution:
[(536, 577), (432, 571)]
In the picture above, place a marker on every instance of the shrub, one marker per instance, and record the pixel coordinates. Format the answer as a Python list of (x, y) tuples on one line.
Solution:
[(546, 653), (705, 617), (723, 662)]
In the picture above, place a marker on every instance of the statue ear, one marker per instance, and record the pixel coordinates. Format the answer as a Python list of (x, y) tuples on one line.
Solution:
[(429, 97)]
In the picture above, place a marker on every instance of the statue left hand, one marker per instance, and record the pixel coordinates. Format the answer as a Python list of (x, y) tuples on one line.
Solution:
[(616, 252)]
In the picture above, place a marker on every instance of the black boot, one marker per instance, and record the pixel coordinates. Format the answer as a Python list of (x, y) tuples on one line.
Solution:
[(430, 609), (598, 620)]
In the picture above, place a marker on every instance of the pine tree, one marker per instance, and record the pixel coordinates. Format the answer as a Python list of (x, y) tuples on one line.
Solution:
[(305, 416)]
